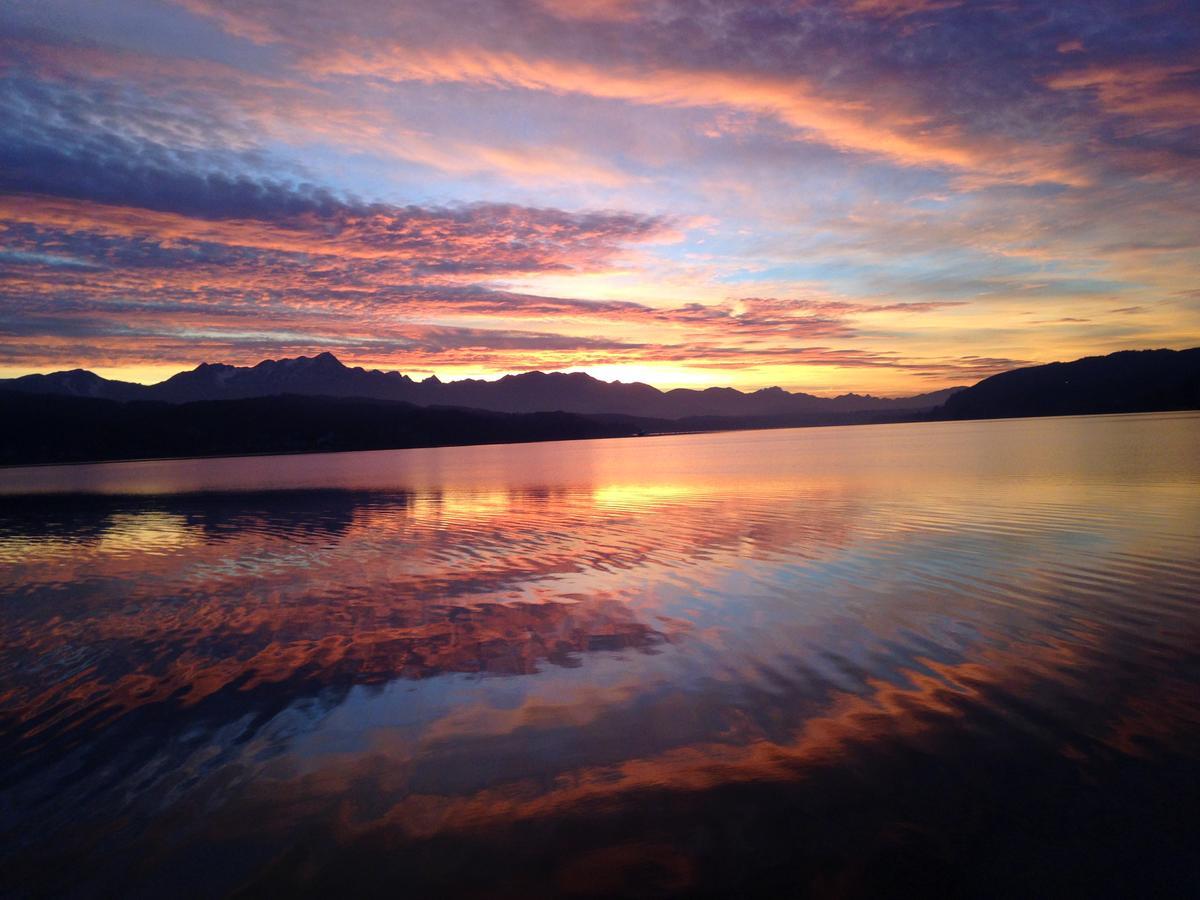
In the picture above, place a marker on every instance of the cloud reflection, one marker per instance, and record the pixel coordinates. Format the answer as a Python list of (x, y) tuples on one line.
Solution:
[(509, 655)]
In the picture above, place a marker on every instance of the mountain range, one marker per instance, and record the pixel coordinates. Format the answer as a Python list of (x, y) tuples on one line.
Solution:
[(325, 375), (317, 404)]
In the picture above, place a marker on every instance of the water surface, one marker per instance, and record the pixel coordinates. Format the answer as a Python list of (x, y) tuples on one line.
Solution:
[(962, 658)]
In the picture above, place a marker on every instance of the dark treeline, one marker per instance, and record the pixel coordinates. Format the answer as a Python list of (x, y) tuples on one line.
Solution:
[(56, 429), (51, 428)]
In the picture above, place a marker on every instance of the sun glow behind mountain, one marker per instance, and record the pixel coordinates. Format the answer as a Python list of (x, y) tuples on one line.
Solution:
[(828, 196)]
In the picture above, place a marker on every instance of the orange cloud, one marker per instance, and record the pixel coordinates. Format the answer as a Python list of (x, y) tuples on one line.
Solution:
[(847, 124), (498, 237), (1152, 97), (893, 9), (595, 10)]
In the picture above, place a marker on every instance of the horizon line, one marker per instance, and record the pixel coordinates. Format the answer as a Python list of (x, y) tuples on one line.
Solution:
[(891, 395)]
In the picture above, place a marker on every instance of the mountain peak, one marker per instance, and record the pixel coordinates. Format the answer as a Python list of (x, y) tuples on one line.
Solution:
[(324, 360)]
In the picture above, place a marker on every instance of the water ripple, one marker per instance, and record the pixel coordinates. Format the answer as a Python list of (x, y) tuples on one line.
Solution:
[(740, 629)]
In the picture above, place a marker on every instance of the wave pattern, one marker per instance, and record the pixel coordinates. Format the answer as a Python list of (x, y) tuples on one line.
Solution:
[(808, 662)]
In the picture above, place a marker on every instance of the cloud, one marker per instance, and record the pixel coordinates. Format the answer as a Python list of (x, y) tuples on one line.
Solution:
[(898, 8), (767, 188), (595, 10), (845, 124), (1148, 97), (142, 190)]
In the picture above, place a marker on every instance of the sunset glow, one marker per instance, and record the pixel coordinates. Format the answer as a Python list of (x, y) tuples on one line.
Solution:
[(886, 196)]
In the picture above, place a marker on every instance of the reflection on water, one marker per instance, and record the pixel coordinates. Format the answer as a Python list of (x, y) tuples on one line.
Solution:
[(962, 658)]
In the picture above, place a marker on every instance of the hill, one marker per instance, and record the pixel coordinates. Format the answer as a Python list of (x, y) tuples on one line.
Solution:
[(1124, 382)]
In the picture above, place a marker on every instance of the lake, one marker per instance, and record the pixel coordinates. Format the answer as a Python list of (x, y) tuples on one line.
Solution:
[(959, 658)]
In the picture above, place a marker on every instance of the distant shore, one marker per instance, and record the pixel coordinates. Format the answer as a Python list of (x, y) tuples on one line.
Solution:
[(47, 422), (316, 451)]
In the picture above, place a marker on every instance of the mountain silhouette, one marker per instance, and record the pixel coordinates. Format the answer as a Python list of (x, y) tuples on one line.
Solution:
[(294, 406), (325, 375), (1124, 382)]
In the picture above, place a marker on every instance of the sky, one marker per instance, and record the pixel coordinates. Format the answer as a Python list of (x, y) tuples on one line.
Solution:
[(890, 196)]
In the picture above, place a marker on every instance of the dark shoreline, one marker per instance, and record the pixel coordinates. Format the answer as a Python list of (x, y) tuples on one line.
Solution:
[(48, 427), (926, 419), (262, 453)]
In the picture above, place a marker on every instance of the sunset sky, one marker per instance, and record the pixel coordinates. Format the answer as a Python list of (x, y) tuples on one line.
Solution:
[(877, 195)]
